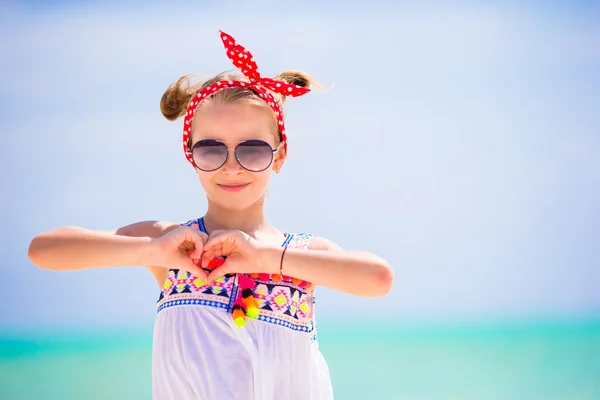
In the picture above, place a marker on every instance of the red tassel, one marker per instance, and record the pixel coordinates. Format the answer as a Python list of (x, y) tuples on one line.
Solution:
[(245, 282), (215, 262), (264, 277)]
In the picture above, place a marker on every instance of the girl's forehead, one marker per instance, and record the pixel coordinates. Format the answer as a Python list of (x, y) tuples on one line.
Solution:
[(233, 122)]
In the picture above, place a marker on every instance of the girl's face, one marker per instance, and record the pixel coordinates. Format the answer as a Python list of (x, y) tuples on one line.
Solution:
[(232, 186)]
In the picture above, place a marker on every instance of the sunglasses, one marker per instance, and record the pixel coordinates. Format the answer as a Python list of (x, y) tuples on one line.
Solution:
[(253, 155)]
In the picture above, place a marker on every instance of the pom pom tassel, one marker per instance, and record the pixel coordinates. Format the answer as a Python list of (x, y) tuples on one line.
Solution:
[(214, 263), (264, 277), (245, 304), (303, 284), (239, 317), (250, 303)]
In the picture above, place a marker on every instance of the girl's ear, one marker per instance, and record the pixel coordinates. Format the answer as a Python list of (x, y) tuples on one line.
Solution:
[(279, 159)]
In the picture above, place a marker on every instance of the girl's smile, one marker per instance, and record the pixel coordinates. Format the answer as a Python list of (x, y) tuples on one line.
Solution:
[(233, 187)]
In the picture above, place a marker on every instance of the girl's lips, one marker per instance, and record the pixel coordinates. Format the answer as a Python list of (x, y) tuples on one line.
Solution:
[(233, 187)]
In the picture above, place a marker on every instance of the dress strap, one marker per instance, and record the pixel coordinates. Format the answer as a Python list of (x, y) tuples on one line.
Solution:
[(201, 225), (297, 240)]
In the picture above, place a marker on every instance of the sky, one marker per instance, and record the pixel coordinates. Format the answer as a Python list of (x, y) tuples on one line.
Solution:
[(458, 140)]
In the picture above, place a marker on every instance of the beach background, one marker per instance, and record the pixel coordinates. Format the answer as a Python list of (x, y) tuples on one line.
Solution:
[(460, 140)]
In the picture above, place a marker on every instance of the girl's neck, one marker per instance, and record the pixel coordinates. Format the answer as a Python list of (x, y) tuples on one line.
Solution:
[(250, 220)]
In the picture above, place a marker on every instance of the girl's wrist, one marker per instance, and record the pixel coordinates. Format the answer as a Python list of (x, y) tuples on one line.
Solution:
[(147, 251), (270, 259)]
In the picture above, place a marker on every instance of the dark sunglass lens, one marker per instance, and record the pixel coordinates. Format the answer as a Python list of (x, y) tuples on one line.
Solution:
[(254, 155), (209, 155)]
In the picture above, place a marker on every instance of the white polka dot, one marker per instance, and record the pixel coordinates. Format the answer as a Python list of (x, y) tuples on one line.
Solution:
[(252, 59), (278, 85), (289, 89), (230, 82), (232, 53)]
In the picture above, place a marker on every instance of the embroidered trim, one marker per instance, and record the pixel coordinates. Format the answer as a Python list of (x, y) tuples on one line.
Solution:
[(193, 301), (282, 303)]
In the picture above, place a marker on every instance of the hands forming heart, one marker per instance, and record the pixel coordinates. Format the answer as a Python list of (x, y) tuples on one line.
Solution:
[(188, 249)]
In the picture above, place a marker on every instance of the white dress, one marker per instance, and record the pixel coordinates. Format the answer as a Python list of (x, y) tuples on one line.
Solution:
[(200, 353)]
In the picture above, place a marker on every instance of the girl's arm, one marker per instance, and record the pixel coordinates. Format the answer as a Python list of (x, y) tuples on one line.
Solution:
[(327, 264), (324, 263), (73, 248)]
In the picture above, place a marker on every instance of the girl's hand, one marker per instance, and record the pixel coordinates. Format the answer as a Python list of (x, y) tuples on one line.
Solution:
[(181, 248), (243, 254)]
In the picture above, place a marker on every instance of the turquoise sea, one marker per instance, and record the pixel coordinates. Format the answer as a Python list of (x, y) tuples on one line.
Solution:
[(529, 361)]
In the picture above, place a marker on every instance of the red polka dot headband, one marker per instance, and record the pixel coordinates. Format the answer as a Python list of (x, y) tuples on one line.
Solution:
[(244, 61)]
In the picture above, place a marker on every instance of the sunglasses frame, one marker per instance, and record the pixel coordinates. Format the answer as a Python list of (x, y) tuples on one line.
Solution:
[(190, 151)]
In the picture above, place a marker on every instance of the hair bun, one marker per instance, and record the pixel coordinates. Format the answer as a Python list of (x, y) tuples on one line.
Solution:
[(295, 78), (174, 101)]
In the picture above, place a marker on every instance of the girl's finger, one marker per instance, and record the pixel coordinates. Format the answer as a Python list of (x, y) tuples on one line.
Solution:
[(211, 248), (212, 252), (197, 272), (217, 238), (206, 259), (196, 254), (199, 239), (218, 251)]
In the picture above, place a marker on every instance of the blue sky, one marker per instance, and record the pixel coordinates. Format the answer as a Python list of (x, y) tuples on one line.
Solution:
[(460, 141)]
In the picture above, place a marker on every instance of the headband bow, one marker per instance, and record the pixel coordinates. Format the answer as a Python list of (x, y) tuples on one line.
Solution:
[(244, 61)]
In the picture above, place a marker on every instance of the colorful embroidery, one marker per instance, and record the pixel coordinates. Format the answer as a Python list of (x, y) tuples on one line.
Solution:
[(286, 303)]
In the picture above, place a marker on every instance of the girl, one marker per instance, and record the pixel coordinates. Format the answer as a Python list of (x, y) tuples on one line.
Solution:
[(235, 313)]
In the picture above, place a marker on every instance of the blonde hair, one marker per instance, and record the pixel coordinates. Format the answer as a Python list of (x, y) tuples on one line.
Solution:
[(175, 100)]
